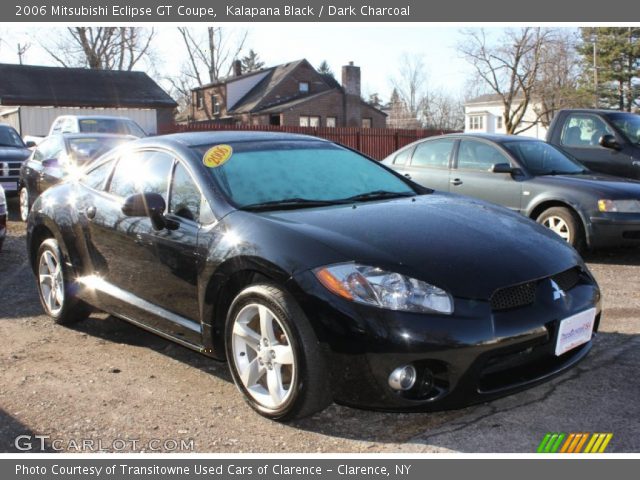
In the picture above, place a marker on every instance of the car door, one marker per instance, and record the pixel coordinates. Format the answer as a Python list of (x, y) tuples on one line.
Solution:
[(580, 135), (54, 172), (429, 163), (472, 174), (132, 258)]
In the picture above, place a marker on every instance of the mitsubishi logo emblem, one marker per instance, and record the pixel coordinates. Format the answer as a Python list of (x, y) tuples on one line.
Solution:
[(558, 293)]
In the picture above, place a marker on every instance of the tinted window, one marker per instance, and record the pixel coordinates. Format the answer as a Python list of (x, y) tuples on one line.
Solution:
[(185, 196), (583, 130), (52, 147), (259, 172), (10, 138), (142, 172), (475, 155), (97, 177), (134, 129), (628, 124), (87, 148), (540, 158), (104, 125), (403, 157), (435, 153)]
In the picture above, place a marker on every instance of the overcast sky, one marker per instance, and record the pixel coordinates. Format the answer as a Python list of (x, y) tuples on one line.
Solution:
[(377, 49)]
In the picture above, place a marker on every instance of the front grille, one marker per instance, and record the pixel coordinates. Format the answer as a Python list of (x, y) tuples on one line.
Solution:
[(568, 279), (513, 297), (525, 293)]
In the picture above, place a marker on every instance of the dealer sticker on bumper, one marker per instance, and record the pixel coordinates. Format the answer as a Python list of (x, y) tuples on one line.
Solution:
[(575, 330)]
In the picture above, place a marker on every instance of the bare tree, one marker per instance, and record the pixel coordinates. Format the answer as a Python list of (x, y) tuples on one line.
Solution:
[(23, 48), (410, 86), (210, 56), (510, 68), (444, 112), (100, 48)]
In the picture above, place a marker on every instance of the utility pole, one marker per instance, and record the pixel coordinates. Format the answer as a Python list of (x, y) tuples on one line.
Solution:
[(595, 69)]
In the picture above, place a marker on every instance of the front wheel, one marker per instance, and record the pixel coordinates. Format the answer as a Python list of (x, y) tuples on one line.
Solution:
[(565, 224), (274, 356), (58, 300), (24, 204)]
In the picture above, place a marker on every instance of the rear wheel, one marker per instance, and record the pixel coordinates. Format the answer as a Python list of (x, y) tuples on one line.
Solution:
[(274, 356), (24, 204), (565, 224), (57, 299)]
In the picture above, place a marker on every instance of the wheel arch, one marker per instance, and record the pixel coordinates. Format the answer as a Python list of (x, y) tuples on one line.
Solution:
[(545, 204)]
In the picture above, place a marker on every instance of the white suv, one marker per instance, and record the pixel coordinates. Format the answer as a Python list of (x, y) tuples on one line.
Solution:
[(96, 124)]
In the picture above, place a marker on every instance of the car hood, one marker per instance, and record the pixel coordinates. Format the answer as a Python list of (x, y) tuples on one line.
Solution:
[(13, 153), (616, 187), (468, 247)]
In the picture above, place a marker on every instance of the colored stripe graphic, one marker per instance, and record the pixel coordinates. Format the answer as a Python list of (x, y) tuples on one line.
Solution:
[(555, 442)]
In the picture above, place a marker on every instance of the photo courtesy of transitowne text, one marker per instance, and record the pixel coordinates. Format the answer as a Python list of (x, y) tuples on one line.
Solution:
[(287, 240)]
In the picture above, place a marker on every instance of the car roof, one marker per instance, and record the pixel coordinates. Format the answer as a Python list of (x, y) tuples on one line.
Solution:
[(492, 137), (601, 111), (71, 136), (99, 117), (194, 139)]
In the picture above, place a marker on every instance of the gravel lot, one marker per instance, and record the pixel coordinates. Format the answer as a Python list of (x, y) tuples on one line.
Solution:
[(105, 379)]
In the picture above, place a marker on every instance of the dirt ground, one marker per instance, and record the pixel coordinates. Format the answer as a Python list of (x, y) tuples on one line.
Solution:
[(116, 387)]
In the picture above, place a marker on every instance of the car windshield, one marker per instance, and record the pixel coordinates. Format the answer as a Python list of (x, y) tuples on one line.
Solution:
[(110, 125), (628, 124), (295, 174), (540, 158), (10, 138), (83, 150)]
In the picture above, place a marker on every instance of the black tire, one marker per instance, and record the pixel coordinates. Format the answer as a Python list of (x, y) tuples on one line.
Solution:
[(68, 309), (572, 225), (309, 389)]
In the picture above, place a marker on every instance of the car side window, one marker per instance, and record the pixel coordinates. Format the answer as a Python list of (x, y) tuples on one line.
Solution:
[(52, 147), (434, 153), (141, 172), (583, 130), (39, 152), (57, 126), (479, 156), (96, 177), (185, 197), (403, 157)]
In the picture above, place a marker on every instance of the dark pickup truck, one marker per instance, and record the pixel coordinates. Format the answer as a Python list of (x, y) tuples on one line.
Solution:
[(606, 141)]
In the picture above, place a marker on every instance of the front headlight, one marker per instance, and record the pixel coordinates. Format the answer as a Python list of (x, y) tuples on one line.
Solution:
[(620, 206), (377, 287)]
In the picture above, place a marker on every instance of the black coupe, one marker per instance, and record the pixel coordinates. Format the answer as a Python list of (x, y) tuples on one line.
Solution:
[(318, 273)]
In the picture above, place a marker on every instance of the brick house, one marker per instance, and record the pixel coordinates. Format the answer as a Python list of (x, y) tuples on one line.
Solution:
[(293, 94)]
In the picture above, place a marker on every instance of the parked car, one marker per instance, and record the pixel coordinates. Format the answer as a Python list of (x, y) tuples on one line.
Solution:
[(529, 176), (605, 141), (13, 152), (96, 124), (3, 216), (57, 156), (318, 273)]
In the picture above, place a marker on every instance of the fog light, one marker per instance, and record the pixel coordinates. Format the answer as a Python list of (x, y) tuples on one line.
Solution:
[(403, 378)]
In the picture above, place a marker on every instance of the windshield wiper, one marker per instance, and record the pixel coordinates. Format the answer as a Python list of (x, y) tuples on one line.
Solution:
[(291, 203), (377, 195)]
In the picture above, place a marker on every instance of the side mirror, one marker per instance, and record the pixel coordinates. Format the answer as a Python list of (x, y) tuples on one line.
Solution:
[(502, 168), (150, 205), (50, 163), (30, 144), (609, 141)]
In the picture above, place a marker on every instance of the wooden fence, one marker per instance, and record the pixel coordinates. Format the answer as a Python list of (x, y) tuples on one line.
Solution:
[(374, 142)]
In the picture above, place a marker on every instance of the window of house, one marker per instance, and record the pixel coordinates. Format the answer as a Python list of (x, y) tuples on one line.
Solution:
[(309, 121), (476, 122), (366, 123), (303, 87), (331, 121), (199, 99), (499, 123), (304, 120), (215, 104)]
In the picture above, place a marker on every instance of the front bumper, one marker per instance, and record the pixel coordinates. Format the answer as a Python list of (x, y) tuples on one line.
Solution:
[(614, 230), (472, 356)]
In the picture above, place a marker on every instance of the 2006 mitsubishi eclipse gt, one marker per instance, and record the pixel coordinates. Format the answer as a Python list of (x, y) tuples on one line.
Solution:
[(318, 273)]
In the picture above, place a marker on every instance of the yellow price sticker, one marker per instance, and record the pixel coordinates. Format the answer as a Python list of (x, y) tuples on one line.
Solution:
[(217, 155)]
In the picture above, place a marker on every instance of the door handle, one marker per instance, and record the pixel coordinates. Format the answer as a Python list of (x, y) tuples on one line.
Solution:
[(91, 211), (408, 176), (455, 181)]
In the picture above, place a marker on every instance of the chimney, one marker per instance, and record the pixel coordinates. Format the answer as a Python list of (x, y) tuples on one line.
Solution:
[(237, 68), (352, 103), (351, 79)]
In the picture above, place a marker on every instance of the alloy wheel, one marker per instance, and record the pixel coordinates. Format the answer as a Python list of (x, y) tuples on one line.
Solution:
[(51, 282), (559, 226), (263, 356)]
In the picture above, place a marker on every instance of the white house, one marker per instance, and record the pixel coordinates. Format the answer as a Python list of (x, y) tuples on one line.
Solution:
[(484, 114)]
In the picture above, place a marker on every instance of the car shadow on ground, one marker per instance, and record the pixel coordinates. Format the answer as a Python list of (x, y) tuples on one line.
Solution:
[(11, 429), (614, 256), (584, 399)]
